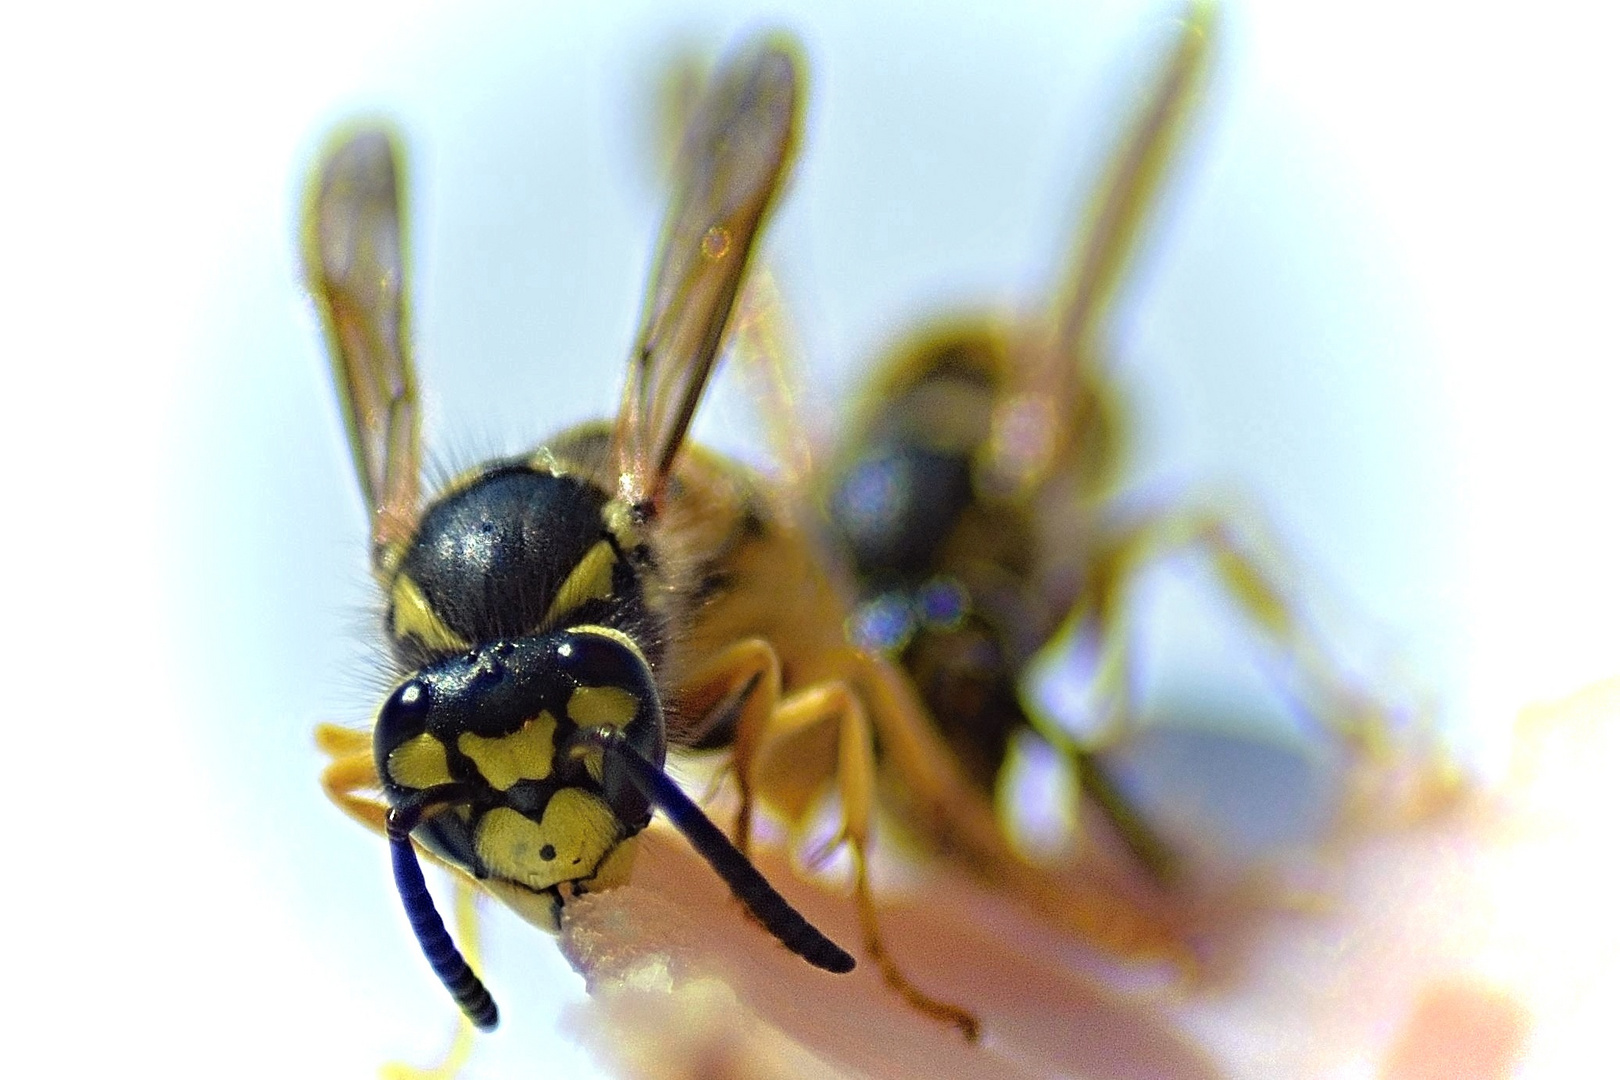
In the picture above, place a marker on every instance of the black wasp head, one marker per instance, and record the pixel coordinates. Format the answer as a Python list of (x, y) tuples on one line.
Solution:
[(495, 729), (497, 761)]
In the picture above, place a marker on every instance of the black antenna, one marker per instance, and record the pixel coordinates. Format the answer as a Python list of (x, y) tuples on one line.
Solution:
[(746, 883), (767, 905), (441, 952)]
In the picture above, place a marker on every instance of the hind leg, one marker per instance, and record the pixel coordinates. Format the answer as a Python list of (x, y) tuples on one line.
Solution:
[(1253, 577)]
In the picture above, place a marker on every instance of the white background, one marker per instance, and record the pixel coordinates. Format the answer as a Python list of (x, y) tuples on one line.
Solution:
[(1380, 305)]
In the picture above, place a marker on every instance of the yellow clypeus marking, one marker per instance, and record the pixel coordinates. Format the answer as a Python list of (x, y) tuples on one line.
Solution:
[(614, 870), (419, 763), (575, 834), (415, 617), (523, 755), (591, 579)]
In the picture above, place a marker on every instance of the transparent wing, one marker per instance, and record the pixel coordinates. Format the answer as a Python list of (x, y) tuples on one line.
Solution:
[(355, 268), (1134, 175), (731, 163)]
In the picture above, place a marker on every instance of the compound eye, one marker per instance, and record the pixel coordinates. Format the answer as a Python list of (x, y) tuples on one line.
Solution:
[(404, 715), (614, 688), (602, 658)]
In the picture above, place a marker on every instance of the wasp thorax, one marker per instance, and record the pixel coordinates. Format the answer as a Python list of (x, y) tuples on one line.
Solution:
[(493, 733), (496, 557)]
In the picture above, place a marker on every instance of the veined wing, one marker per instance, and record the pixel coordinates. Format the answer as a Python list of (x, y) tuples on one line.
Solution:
[(355, 267), (731, 164)]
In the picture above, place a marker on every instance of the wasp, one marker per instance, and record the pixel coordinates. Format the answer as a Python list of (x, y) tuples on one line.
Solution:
[(562, 619), (977, 496)]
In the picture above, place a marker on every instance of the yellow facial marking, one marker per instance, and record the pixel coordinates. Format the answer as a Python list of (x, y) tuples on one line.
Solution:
[(592, 579), (594, 706), (414, 617), (523, 755), (615, 869), (419, 763), (575, 834)]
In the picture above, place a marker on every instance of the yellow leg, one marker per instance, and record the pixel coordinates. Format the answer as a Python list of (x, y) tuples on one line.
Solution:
[(771, 730), (856, 767), (944, 807), (1254, 581), (351, 770), (335, 741), (746, 677)]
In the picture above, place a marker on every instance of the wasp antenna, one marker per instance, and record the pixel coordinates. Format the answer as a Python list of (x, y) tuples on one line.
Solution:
[(747, 884), (442, 955)]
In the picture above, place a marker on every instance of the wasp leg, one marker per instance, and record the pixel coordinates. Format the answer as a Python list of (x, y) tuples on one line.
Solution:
[(1254, 579), (1102, 613), (787, 749), (836, 703), (740, 685), (945, 808), (352, 769)]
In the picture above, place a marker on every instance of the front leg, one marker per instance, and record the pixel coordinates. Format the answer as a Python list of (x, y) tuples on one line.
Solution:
[(351, 769), (739, 687), (789, 749)]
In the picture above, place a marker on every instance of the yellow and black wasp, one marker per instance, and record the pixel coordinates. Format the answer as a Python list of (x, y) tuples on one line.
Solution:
[(560, 619), (977, 497)]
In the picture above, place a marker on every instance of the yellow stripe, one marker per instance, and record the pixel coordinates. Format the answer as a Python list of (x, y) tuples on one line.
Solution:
[(621, 523), (591, 579), (613, 635), (415, 617)]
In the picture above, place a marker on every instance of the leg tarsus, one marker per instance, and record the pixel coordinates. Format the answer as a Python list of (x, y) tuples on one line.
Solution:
[(771, 726), (872, 939)]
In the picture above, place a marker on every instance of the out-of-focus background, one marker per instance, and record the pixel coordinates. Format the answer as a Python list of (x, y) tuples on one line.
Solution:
[(1378, 306)]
